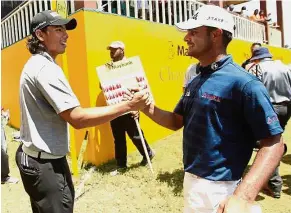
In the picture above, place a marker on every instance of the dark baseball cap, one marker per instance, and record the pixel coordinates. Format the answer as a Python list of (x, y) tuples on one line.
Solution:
[(51, 18)]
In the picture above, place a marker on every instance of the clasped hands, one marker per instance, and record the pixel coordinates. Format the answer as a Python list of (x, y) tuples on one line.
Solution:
[(138, 99)]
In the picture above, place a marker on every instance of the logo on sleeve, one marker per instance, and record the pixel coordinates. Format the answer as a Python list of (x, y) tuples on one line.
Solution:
[(272, 119), (211, 97)]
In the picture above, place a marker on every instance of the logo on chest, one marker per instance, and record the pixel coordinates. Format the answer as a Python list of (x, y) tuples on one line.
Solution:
[(187, 94), (211, 97)]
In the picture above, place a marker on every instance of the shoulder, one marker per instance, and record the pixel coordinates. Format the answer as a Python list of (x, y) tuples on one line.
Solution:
[(238, 73), (47, 69), (276, 65), (237, 78)]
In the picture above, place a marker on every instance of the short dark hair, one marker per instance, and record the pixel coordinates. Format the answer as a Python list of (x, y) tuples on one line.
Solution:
[(34, 45), (256, 43), (226, 36)]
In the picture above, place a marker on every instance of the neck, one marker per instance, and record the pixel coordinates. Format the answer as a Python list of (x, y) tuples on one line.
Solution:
[(117, 58), (211, 56), (52, 55)]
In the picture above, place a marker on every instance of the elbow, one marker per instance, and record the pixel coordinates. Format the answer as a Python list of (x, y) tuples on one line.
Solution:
[(77, 125), (78, 119), (177, 127)]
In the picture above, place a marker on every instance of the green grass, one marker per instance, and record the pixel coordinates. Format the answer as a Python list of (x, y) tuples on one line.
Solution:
[(137, 190)]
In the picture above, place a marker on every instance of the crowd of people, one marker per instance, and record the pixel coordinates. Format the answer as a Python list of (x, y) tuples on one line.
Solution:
[(257, 16)]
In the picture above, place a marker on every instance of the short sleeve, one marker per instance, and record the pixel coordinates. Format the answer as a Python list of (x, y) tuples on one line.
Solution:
[(259, 112), (179, 109), (54, 86)]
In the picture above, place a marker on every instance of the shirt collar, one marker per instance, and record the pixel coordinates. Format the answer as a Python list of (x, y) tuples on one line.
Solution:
[(216, 65), (47, 56)]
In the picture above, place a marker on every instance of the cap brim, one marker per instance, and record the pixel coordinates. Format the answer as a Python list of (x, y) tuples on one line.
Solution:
[(261, 57), (70, 24), (114, 47), (188, 25)]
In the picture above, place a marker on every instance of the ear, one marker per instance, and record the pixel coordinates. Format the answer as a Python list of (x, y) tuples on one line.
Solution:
[(40, 35), (216, 33)]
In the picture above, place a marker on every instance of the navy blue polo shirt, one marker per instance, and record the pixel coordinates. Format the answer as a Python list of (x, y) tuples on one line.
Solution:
[(225, 111)]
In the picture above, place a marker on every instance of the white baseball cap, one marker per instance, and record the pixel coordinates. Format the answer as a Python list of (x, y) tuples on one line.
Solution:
[(116, 44), (210, 16)]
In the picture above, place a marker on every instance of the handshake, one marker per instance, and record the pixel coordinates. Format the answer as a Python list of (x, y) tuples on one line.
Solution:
[(137, 99)]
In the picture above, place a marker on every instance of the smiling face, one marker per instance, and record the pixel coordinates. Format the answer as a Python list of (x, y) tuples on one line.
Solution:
[(199, 41), (54, 38)]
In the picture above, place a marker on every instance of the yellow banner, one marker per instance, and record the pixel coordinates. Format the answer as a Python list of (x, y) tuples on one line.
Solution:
[(62, 8)]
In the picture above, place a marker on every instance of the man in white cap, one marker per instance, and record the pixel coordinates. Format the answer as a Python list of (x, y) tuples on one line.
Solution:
[(224, 111), (47, 105), (116, 51), (125, 124)]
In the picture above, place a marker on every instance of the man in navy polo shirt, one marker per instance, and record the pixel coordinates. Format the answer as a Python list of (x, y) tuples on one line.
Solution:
[(224, 111)]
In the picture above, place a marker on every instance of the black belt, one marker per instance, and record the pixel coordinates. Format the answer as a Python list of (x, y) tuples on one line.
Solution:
[(284, 103)]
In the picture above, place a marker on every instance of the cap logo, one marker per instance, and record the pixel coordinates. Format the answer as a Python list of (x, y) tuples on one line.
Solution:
[(54, 14), (39, 25), (215, 19), (195, 16)]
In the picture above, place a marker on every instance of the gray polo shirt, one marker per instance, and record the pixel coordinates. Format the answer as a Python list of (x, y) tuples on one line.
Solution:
[(44, 93), (276, 77)]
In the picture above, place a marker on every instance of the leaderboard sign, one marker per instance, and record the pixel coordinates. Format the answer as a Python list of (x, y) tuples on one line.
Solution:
[(117, 77)]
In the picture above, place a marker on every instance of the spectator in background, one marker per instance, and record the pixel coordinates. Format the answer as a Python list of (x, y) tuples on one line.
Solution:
[(5, 177), (125, 124), (248, 62), (231, 8), (276, 77), (243, 12), (255, 16), (262, 16), (139, 5), (269, 18)]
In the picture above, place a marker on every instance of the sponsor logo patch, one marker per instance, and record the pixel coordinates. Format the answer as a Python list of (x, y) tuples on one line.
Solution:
[(211, 97), (272, 119)]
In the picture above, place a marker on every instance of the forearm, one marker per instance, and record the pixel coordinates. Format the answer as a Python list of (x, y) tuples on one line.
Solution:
[(267, 159), (89, 117), (164, 118)]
